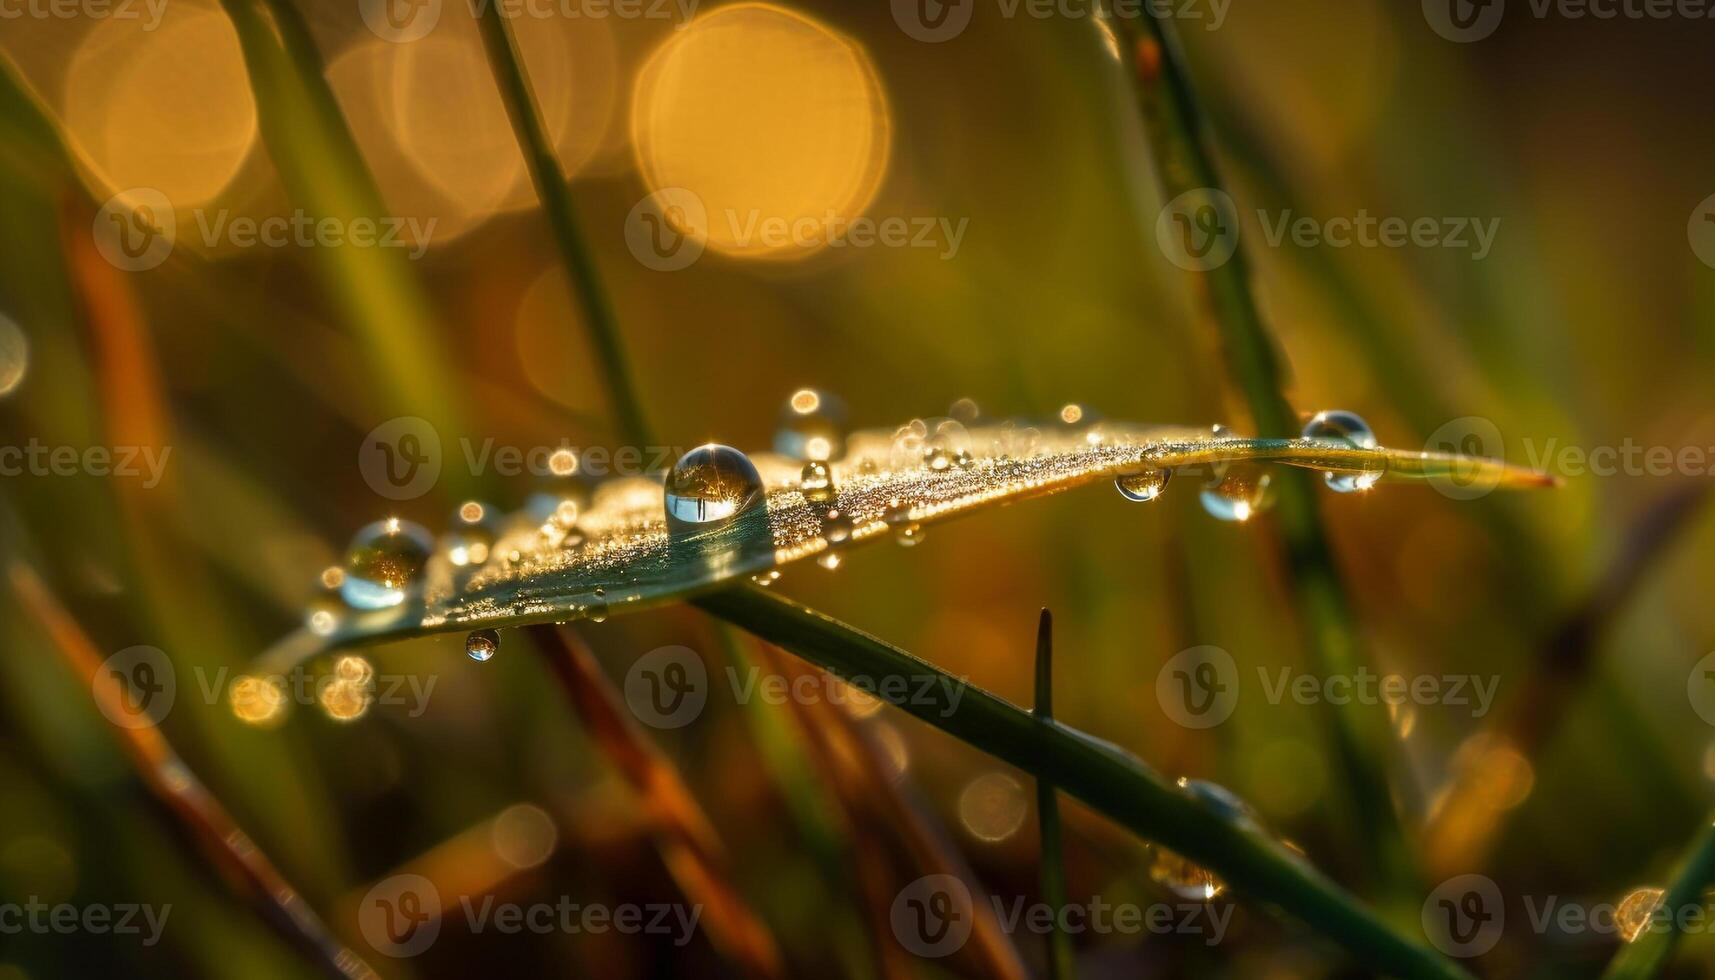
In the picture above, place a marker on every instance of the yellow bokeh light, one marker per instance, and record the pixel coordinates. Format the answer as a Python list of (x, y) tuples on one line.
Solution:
[(169, 109), (258, 701), (524, 835), (992, 806), (773, 123)]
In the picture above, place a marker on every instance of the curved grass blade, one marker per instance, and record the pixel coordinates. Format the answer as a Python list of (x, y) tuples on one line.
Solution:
[(620, 557)]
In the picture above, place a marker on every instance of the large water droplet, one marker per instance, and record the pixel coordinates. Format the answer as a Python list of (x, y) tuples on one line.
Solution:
[(384, 563), (812, 426), (710, 486), (1145, 486), (1239, 493), (817, 482), (482, 645), (1220, 799), (1184, 878), (1348, 428)]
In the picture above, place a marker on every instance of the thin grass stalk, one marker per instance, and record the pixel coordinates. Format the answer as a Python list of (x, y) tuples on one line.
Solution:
[(690, 846), (1060, 961), (1173, 122), (244, 866), (582, 273), (1646, 955), (1104, 777)]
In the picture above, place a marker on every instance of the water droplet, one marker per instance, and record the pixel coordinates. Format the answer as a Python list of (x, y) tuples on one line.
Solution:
[(1144, 486), (937, 459), (482, 645), (812, 426), (837, 527), (709, 486), (327, 605), (964, 460), (562, 462), (817, 482), (475, 526), (965, 410), (384, 563), (1075, 414), (1239, 493), (1352, 430), (1184, 878), (596, 610), (910, 535), (1220, 799)]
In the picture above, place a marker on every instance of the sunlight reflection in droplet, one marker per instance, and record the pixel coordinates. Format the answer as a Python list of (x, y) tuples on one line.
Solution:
[(169, 109), (773, 120)]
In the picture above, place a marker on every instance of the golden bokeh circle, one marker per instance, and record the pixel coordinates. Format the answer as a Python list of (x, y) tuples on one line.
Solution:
[(776, 122)]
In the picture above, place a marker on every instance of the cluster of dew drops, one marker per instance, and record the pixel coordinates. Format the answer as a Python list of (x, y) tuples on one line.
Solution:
[(713, 484)]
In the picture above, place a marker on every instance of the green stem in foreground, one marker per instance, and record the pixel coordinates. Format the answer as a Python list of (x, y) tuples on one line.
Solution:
[(1060, 961), (582, 276), (1104, 777), (1184, 165), (1645, 956)]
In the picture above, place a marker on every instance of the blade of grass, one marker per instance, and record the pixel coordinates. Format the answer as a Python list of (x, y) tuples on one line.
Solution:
[(203, 816), (310, 144), (1109, 780), (1173, 123), (1060, 962), (689, 844), (581, 271), (1645, 956)]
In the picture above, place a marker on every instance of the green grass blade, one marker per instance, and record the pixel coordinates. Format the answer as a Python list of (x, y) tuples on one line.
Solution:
[(582, 274), (1645, 956), (1107, 779), (1060, 962), (1175, 130)]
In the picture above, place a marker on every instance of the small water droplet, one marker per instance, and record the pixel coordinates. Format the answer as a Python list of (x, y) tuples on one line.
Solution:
[(385, 561), (1350, 429), (1184, 878), (1145, 486), (482, 645), (1239, 493), (709, 486), (965, 410), (475, 526), (812, 426), (964, 460), (837, 527), (817, 482), (937, 459), (910, 535)]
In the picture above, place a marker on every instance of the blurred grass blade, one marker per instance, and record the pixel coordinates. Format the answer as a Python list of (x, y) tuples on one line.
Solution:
[(311, 146), (690, 847), (582, 275), (1060, 961), (1107, 779), (1646, 955), (1184, 165), (173, 783)]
